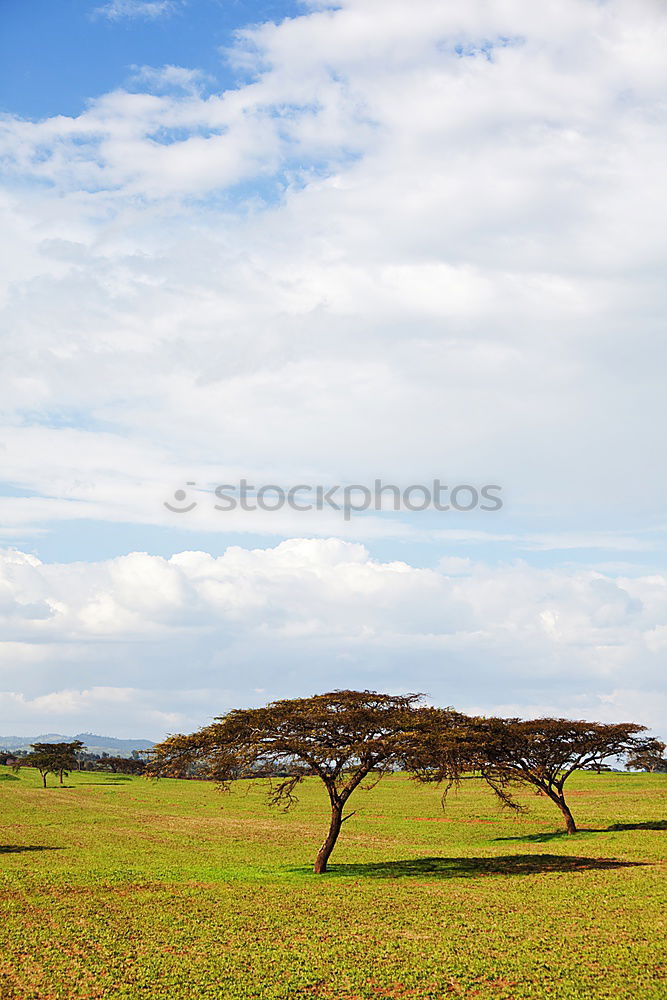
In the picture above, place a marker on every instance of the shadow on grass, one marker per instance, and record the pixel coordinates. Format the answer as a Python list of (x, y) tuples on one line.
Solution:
[(18, 848), (656, 824), (543, 838), (515, 864), (109, 781)]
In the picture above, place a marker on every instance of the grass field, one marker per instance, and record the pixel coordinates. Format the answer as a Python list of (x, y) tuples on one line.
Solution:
[(120, 887)]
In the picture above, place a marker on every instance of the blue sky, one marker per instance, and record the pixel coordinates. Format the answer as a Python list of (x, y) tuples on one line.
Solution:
[(326, 243), (56, 57)]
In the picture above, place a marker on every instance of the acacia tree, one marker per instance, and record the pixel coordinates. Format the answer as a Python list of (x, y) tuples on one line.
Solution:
[(122, 765), (53, 758), (540, 752), (646, 762), (342, 737)]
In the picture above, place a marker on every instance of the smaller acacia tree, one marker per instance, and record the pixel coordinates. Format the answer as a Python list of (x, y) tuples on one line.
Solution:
[(642, 761), (122, 765), (342, 738), (545, 752), (53, 758)]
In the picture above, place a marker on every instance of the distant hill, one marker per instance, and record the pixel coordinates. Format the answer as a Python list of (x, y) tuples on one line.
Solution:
[(92, 742)]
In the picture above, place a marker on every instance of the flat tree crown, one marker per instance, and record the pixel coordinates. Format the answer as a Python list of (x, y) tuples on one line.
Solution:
[(324, 735)]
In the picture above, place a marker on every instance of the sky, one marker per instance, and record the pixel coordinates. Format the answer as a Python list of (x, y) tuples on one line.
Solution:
[(324, 244)]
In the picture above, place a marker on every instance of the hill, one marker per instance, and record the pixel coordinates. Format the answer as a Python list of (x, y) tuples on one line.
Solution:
[(94, 743)]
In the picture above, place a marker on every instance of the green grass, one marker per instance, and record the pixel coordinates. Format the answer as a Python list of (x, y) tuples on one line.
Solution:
[(122, 888)]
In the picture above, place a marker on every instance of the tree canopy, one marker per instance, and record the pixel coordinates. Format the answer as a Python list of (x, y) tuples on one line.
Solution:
[(651, 760), (346, 738), (342, 737), (121, 765), (543, 753), (53, 758)]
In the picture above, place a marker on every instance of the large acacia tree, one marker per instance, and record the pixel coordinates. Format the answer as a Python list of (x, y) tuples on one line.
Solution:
[(342, 738), (542, 753)]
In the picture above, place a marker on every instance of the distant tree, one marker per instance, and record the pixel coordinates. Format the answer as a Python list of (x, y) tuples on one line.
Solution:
[(87, 761), (343, 738), (123, 765), (53, 758), (642, 761), (542, 753), (108, 763)]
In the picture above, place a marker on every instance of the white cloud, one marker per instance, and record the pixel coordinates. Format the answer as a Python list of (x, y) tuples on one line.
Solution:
[(167, 78), (414, 241), (148, 10), (314, 614), (120, 712), (443, 261)]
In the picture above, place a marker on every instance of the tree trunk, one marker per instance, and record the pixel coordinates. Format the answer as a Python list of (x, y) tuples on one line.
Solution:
[(44, 779), (60, 776), (570, 825), (332, 836)]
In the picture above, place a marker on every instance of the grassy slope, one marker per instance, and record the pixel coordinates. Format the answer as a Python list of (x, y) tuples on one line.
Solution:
[(116, 887)]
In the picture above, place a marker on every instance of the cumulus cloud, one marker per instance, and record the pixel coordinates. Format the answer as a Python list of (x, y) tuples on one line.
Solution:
[(128, 634), (410, 242)]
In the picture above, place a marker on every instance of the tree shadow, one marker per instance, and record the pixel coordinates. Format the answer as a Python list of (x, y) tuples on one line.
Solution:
[(110, 781), (542, 838), (656, 824), (515, 864), (19, 848)]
